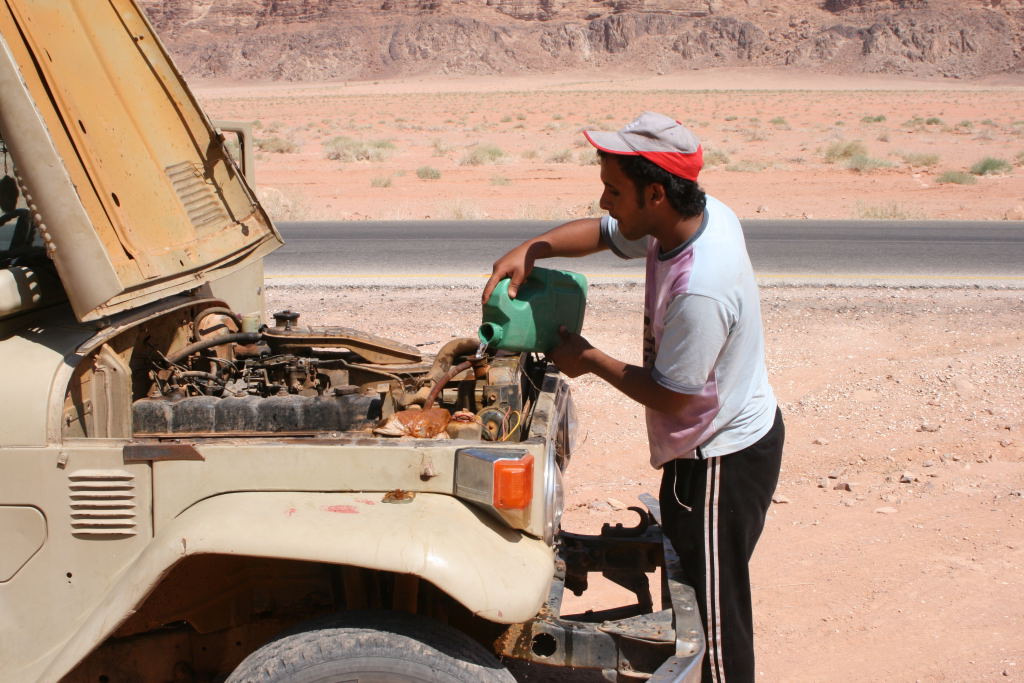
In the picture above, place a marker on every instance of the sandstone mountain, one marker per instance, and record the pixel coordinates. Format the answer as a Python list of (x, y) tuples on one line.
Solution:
[(359, 39)]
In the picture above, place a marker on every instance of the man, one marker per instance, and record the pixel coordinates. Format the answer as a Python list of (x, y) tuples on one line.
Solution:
[(713, 424)]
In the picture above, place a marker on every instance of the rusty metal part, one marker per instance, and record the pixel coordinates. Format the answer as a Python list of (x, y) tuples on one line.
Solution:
[(216, 310), (369, 346), (633, 641), (398, 496)]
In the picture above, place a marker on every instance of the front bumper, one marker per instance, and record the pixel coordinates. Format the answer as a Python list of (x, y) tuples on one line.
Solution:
[(631, 642)]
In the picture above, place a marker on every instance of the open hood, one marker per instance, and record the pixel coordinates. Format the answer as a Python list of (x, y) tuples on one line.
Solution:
[(126, 178)]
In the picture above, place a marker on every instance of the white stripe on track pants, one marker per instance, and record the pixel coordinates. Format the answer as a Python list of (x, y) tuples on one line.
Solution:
[(713, 511)]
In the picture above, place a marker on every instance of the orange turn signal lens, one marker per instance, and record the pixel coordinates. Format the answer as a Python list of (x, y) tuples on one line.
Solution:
[(513, 483)]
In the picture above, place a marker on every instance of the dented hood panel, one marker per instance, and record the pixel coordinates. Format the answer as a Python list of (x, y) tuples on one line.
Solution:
[(130, 183)]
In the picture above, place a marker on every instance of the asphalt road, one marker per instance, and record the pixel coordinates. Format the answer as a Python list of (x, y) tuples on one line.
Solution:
[(840, 252)]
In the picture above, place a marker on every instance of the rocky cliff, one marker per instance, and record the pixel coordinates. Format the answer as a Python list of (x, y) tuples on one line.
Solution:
[(347, 39)]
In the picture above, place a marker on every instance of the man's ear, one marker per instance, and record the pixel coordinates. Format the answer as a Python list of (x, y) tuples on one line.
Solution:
[(656, 193)]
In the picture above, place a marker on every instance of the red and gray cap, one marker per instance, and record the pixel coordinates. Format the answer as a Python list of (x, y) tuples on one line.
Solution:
[(657, 138)]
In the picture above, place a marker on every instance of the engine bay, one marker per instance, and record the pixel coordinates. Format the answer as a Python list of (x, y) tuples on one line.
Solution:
[(237, 377)]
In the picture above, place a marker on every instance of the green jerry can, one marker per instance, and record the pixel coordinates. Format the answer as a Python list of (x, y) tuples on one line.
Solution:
[(547, 300)]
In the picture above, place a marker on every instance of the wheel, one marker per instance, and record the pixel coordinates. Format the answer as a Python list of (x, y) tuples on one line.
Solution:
[(372, 647)]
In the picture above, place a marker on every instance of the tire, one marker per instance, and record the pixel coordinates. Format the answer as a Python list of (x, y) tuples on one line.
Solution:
[(372, 647)]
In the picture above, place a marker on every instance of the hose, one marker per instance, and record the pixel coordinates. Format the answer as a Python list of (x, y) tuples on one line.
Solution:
[(462, 346), (439, 384), (234, 337), (216, 310)]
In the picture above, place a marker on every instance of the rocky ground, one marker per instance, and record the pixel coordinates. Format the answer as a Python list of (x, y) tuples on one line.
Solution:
[(893, 549)]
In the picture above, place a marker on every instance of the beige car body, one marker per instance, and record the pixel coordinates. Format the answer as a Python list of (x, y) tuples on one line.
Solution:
[(109, 536)]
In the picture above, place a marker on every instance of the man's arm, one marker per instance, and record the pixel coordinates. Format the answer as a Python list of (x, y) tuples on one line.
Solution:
[(575, 238), (575, 356)]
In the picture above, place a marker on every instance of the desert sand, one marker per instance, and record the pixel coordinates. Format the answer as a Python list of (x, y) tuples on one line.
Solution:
[(894, 548), (777, 144)]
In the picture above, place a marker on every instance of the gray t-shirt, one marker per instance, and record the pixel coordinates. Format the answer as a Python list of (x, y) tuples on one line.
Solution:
[(703, 336)]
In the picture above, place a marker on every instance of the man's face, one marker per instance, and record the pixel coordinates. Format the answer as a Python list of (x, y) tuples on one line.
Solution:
[(621, 200)]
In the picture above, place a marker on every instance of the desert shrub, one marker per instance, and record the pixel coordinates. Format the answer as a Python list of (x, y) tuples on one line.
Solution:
[(747, 166), (529, 154), (715, 157), (778, 121), (344, 148), (1020, 158), (892, 211), (500, 180), (879, 118), (460, 210), (440, 149), (380, 181), (933, 121), (956, 178), (482, 154), (563, 156), (991, 165), (862, 163), (844, 149), (283, 207), (915, 122), (588, 157), (428, 173), (920, 159), (276, 145)]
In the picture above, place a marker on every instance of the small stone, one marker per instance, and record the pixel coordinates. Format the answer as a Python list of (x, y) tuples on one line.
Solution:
[(834, 474), (820, 442), (846, 486), (823, 483), (928, 427), (1018, 494), (886, 510), (779, 499), (908, 478), (599, 506), (617, 504), (849, 502), (1005, 443), (764, 209), (928, 463)]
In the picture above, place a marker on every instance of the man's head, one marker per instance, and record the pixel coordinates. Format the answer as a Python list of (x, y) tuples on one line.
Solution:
[(655, 149)]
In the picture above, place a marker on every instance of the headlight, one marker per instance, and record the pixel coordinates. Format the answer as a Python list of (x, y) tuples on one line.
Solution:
[(559, 451), (554, 498)]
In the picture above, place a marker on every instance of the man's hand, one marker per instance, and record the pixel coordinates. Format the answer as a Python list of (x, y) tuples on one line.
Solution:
[(515, 265), (571, 354), (575, 238)]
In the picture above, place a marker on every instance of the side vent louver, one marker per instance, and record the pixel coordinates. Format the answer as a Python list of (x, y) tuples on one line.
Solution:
[(102, 503), (201, 202)]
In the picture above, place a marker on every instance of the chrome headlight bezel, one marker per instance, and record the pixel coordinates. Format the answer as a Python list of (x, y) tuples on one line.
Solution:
[(559, 452)]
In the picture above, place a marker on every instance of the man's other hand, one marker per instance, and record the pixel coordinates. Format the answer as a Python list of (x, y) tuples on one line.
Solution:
[(570, 354)]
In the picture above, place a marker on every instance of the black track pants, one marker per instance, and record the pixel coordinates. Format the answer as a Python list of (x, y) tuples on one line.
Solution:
[(713, 511)]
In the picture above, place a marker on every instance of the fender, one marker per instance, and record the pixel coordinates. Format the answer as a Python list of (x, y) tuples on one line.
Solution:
[(496, 572)]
